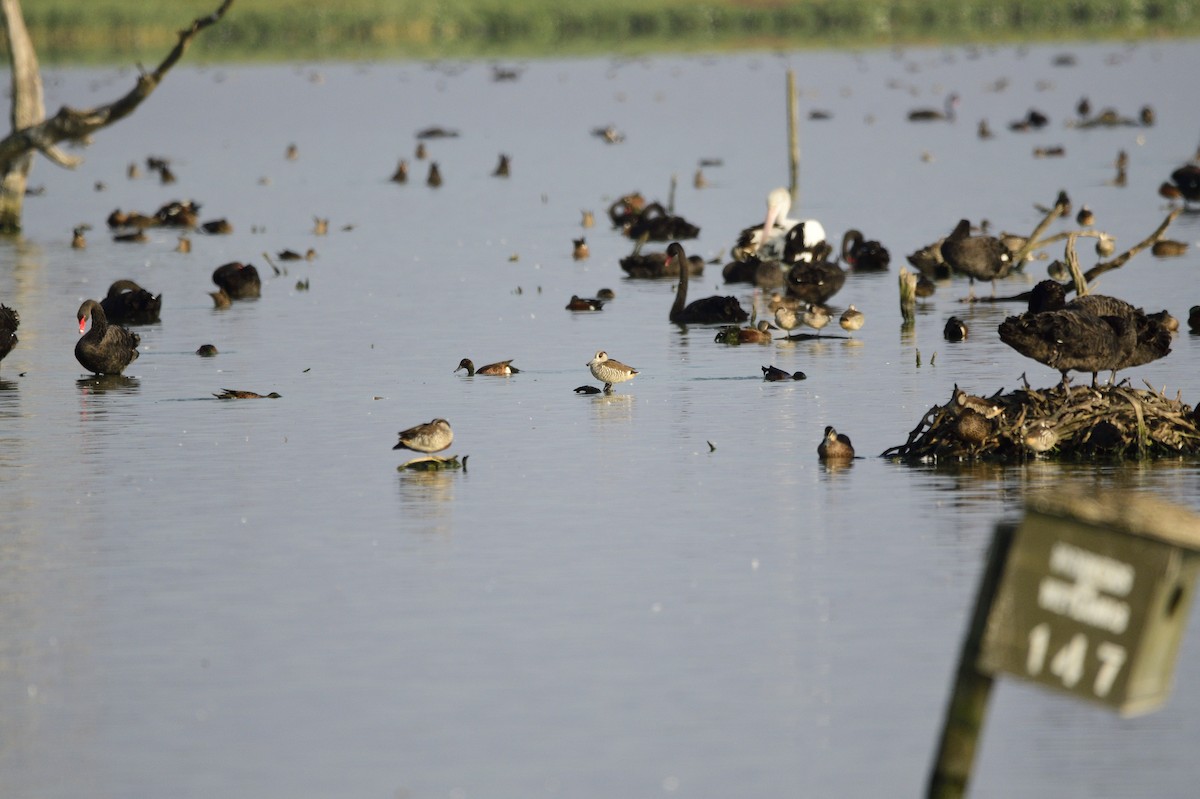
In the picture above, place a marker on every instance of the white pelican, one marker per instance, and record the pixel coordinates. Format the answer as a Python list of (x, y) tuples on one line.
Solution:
[(769, 242)]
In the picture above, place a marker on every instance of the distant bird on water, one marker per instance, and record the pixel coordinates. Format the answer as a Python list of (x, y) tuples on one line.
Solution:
[(104, 349), (433, 436), (946, 113), (610, 371)]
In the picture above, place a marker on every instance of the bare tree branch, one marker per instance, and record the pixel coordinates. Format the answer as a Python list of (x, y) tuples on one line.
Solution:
[(72, 124)]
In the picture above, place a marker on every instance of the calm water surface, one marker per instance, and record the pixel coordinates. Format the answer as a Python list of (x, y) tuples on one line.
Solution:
[(204, 598)]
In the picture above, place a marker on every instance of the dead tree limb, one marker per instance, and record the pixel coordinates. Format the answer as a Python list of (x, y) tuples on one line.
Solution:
[(33, 133)]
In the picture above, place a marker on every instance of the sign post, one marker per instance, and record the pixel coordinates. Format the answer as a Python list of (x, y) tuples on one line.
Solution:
[(1088, 595)]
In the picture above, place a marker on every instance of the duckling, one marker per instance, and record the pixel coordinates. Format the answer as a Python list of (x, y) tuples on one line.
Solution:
[(500, 368), (835, 446)]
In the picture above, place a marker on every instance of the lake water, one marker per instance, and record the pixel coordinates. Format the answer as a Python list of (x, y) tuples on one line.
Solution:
[(204, 598)]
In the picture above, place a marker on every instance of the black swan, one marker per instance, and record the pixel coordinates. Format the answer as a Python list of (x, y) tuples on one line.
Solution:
[(1187, 180), (835, 446), (609, 370), (706, 311), (817, 280), (863, 255), (658, 264), (104, 349), (501, 368), (432, 436), (10, 320), (768, 241), (656, 224), (977, 257), (754, 270), (1152, 332), (239, 281), (1071, 340), (130, 304)]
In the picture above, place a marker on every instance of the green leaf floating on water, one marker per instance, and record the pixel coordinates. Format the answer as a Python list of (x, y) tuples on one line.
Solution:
[(434, 463)]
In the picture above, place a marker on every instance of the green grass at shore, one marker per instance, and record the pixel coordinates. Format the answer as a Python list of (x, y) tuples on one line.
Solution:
[(67, 31)]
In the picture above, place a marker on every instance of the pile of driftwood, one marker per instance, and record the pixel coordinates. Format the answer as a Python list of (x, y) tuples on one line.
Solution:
[(1084, 422)]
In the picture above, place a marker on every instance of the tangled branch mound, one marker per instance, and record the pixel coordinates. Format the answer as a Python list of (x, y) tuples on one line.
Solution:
[(1111, 422)]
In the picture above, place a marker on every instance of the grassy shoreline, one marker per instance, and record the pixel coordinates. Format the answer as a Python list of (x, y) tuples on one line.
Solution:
[(100, 31)]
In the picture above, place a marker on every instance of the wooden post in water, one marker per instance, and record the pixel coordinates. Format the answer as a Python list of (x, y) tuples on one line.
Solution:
[(972, 688), (793, 108)]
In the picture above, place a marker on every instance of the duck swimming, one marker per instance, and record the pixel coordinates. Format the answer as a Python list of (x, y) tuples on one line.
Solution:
[(835, 446), (104, 349), (946, 113), (706, 311), (500, 368)]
